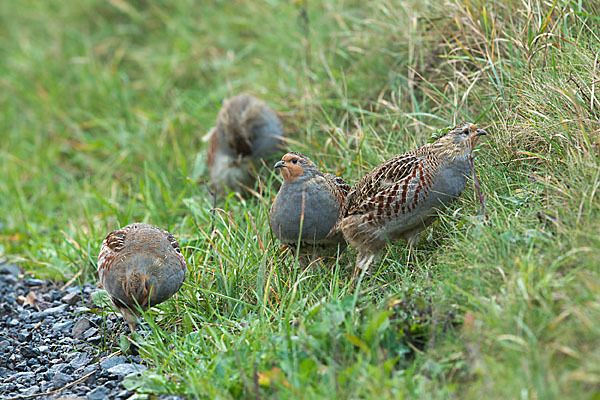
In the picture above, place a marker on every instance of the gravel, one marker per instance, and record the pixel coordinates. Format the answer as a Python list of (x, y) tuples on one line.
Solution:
[(101, 392), (46, 343), (111, 362)]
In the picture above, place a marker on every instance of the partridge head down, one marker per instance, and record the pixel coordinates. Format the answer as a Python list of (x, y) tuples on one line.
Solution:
[(247, 130), (401, 197), (140, 266), (307, 208)]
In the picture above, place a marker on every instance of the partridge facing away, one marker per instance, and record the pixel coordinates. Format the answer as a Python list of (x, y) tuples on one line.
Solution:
[(400, 197), (246, 131), (140, 265), (307, 208)]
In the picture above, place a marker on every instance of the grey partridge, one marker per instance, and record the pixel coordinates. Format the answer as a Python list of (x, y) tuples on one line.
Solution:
[(307, 208), (140, 266), (247, 130), (401, 197)]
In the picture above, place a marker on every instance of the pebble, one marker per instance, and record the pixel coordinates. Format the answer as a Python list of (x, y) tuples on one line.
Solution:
[(63, 327), (33, 282), (23, 377), (101, 392), (9, 269), (80, 327), (80, 360), (90, 332), (60, 379), (46, 346), (71, 298), (122, 370), (111, 362), (9, 279), (53, 310)]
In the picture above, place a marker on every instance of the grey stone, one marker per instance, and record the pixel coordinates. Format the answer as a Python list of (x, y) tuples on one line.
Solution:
[(33, 282), (111, 362), (122, 370), (23, 377), (21, 366), (90, 332), (28, 352), (8, 387), (56, 296), (45, 386), (63, 327), (90, 368), (66, 340), (62, 367), (113, 384), (40, 369), (42, 349), (81, 360), (71, 298), (60, 379), (80, 327), (9, 269), (49, 374), (95, 339), (36, 316), (30, 390), (54, 310), (9, 279), (123, 394), (24, 335), (99, 393)]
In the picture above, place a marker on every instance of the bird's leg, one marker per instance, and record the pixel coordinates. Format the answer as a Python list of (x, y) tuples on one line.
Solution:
[(130, 317), (412, 242), (363, 263)]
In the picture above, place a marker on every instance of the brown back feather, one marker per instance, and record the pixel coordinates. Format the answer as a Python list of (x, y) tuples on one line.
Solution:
[(383, 177)]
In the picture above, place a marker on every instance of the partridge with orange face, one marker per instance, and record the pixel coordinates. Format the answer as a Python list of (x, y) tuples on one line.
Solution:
[(140, 265), (401, 197), (307, 209), (247, 131)]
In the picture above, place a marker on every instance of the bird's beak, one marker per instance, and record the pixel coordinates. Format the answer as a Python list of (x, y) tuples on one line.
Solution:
[(279, 164), (480, 132)]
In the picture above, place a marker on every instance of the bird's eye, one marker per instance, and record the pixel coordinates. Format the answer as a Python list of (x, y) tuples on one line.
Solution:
[(295, 161), (465, 131)]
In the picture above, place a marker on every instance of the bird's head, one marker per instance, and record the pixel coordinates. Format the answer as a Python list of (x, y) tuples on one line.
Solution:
[(294, 166), (459, 141)]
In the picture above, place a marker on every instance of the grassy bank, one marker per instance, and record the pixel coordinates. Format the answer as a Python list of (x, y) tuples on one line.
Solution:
[(104, 109)]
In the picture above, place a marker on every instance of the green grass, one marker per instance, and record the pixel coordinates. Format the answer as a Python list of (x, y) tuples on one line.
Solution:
[(104, 106)]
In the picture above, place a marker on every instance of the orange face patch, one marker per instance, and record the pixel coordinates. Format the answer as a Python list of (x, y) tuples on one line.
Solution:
[(292, 169)]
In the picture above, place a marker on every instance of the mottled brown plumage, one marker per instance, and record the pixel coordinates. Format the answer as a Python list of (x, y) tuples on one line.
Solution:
[(140, 265), (307, 209), (247, 130), (401, 197)]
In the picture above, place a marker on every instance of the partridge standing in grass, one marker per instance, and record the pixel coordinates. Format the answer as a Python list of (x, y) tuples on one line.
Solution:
[(400, 197), (140, 265), (247, 131), (307, 209)]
